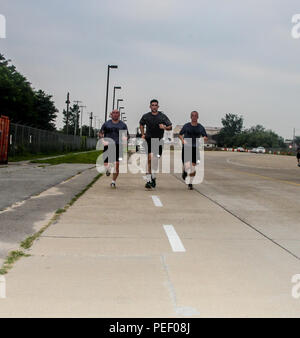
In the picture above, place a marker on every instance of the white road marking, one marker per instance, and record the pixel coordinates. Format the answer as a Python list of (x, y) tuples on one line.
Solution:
[(157, 201), (174, 239)]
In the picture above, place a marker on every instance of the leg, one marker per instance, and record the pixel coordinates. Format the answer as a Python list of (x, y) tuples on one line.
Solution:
[(116, 167), (106, 164), (116, 171)]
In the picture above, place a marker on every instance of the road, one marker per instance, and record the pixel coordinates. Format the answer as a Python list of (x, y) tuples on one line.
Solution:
[(262, 190), (228, 248), (31, 194)]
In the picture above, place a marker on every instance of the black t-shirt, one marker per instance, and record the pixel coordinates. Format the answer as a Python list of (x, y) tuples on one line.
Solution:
[(192, 134), (112, 130), (152, 123)]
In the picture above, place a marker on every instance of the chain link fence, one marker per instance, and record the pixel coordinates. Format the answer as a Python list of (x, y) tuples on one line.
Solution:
[(24, 139)]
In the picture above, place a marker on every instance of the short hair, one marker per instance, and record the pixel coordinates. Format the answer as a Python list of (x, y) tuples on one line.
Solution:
[(194, 111), (154, 101)]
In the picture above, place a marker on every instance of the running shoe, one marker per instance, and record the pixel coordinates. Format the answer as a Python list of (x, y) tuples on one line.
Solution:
[(153, 182), (113, 186), (184, 175), (191, 187), (107, 173), (148, 185)]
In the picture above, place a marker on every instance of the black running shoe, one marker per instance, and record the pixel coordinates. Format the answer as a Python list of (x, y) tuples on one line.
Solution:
[(113, 186), (148, 185), (107, 173), (191, 187), (153, 182), (184, 175)]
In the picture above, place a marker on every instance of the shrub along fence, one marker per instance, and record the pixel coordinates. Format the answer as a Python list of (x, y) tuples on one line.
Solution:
[(24, 140)]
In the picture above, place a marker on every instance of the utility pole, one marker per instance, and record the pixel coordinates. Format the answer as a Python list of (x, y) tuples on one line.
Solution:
[(76, 122), (91, 124), (95, 126), (68, 105), (294, 137), (82, 107)]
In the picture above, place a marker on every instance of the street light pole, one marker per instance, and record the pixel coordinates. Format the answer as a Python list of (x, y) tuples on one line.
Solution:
[(107, 87), (121, 112), (118, 102), (114, 98)]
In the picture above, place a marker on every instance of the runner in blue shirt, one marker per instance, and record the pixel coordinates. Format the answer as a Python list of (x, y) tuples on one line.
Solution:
[(190, 136), (114, 133)]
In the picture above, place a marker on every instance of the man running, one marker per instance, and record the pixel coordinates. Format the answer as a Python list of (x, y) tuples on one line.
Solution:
[(156, 123), (190, 137), (110, 135)]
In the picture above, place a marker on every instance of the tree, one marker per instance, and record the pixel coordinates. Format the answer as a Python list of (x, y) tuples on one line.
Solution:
[(73, 120), (45, 109), (233, 135), (232, 126), (20, 102)]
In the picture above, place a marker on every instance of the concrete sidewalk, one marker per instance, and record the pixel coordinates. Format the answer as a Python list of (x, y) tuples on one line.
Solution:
[(109, 256)]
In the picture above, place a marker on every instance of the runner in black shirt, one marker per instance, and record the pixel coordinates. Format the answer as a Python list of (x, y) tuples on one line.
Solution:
[(190, 137), (156, 123)]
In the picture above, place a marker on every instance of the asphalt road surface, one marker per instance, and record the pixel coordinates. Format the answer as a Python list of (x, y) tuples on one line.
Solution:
[(228, 248), (31, 194)]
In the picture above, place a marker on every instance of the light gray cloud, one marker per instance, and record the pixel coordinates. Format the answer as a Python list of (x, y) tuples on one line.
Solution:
[(213, 56)]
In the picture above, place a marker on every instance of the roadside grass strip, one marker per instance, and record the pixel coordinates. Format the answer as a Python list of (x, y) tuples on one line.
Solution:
[(28, 242)]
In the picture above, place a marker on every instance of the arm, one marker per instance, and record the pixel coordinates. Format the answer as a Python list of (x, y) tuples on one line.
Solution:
[(102, 135), (142, 131), (182, 139), (167, 124), (142, 126), (181, 135), (204, 134)]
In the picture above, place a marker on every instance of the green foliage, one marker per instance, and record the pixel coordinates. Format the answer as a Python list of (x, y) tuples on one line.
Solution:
[(232, 126), (233, 135), (20, 102), (86, 158), (73, 120), (258, 136), (74, 117)]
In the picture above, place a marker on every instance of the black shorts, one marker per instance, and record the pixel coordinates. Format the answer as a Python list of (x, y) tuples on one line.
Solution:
[(114, 156), (190, 154), (154, 151)]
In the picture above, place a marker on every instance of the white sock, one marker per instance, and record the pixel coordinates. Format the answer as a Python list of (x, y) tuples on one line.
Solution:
[(149, 178), (153, 176), (113, 182)]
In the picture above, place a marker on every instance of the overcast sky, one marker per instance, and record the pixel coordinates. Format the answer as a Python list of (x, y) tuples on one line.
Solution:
[(213, 56)]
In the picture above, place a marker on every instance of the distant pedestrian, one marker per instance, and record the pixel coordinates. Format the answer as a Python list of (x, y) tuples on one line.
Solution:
[(190, 136), (298, 156)]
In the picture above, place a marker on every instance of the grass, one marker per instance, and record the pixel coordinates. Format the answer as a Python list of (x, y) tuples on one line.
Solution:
[(29, 156), (10, 260), (84, 158), (27, 243)]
